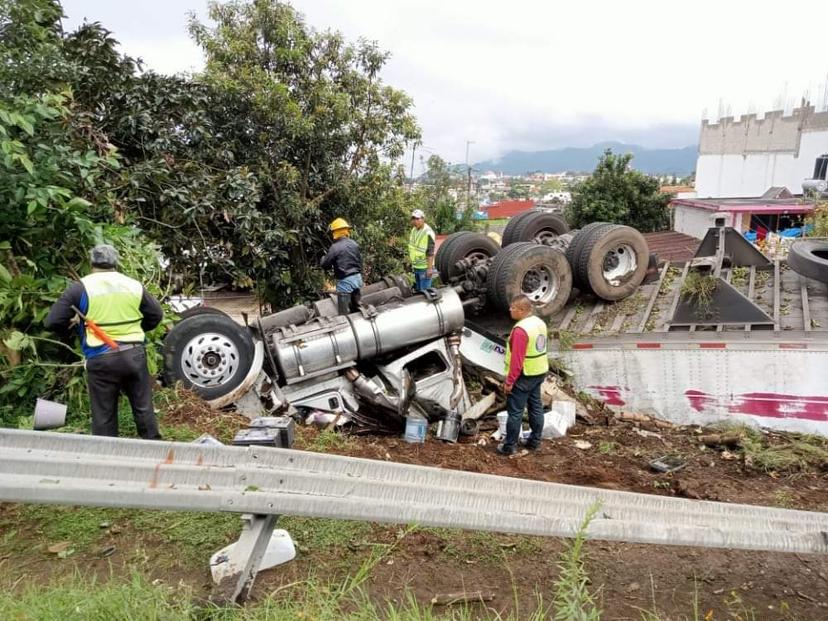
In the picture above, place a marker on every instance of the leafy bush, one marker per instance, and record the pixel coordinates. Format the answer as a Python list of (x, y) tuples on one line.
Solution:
[(617, 193)]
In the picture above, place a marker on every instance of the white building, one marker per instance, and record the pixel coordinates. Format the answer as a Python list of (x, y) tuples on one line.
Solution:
[(745, 157)]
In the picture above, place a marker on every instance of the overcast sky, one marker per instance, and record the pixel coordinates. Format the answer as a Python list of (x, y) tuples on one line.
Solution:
[(535, 74)]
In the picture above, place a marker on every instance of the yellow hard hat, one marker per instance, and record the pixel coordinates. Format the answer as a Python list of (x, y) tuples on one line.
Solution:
[(338, 224)]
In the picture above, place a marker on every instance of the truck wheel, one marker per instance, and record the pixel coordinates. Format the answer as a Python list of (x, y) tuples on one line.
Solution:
[(509, 237), (541, 273), (535, 224), (612, 262), (810, 259), (209, 353), (465, 245), (575, 246), (200, 310)]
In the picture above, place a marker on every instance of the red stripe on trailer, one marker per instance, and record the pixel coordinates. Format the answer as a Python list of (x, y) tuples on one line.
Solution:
[(582, 346), (712, 345), (648, 345), (793, 346)]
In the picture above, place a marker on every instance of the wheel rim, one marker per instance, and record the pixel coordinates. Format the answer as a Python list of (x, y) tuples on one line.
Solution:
[(619, 263), (477, 255), (546, 235), (210, 360), (540, 285)]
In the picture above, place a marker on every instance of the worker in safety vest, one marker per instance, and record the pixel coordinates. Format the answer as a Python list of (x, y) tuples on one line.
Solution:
[(124, 311), (346, 260), (421, 250), (526, 367)]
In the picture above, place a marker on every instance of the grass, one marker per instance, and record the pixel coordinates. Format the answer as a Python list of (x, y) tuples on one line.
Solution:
[(794, 453), (698, 289), (607, 448), (325, 441)]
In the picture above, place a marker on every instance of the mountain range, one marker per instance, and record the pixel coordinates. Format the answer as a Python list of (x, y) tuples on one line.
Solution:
[(680, 162)]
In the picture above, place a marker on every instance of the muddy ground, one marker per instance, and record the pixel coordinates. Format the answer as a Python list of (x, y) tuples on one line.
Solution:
[(629, 578)]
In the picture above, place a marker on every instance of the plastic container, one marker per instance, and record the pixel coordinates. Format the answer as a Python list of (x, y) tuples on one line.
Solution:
[(565, 409), (49, 415), (502, 417), (416, 428)]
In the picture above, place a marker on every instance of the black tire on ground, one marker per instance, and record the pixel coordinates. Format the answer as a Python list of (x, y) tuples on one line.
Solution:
[(532, 224), (442, 252), (612, 262), (508, 238), (200, 310), (209, 353), (575, 246), (464, 246), (538, 271), (810, 259)]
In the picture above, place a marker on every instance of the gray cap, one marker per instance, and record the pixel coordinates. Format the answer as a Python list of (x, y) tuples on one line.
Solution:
[(104, 255)]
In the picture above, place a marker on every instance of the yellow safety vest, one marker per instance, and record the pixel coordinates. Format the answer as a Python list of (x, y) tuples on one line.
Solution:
[(114, 304), (536, 361), (418, 245)]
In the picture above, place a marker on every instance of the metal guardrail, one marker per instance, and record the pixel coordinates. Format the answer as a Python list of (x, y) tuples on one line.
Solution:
[(44, 467)]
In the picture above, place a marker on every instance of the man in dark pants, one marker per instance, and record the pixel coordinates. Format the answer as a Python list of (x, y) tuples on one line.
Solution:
[(346, 260), (526, 367), (124, 310)]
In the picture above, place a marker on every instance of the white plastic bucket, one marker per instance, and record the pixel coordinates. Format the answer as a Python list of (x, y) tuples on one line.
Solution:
[(49, 415), (502, 417), (415, 429)]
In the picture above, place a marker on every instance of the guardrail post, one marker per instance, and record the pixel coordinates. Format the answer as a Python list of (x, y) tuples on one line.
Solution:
[(245, 558)]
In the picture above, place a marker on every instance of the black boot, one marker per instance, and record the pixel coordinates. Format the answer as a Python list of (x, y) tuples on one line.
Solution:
[(343, 303), (356, 296)]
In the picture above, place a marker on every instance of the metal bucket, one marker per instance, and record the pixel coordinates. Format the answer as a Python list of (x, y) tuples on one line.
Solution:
[(49, 415)]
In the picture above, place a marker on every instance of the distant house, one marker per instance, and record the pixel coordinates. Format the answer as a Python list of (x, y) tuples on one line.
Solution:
[(508, 209), (773, 212)]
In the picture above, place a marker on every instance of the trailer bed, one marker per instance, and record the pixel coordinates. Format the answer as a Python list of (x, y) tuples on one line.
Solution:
[(795, 303)]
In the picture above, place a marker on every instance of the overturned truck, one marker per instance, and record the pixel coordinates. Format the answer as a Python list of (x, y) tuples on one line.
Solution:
[(728, 335), (401, 351)]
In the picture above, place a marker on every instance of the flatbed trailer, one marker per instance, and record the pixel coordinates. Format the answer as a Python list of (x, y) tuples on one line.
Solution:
[(628, 355)]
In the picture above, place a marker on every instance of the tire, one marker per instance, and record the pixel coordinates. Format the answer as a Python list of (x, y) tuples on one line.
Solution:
[(612, 262), (463, 246), (575, 246), (200, 310), (509, 237), (223, 348), (442, 252), (532, 224), (810, 259), (515, 271)]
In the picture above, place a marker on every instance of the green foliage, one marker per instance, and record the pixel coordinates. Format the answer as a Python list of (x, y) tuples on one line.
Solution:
[(435, 198), (232, 175), (617, 193), (573, 600)]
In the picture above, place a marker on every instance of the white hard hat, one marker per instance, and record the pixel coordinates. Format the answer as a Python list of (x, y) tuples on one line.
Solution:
[(417, 213)]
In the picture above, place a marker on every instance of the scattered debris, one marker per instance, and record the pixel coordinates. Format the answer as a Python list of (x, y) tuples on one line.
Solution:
[(469, 597), (57, 548), (583, 445), (731, 439), (668, 463)]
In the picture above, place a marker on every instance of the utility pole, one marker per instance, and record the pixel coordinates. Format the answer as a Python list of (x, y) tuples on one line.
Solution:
[(411, 176), (468, 170)]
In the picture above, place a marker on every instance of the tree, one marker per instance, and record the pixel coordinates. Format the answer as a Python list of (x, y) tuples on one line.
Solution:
[(307, 116), (617, 193)]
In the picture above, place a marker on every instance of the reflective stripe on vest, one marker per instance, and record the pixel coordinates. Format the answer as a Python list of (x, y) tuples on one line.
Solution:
[(536, 361), (114, 304), (418, 246)]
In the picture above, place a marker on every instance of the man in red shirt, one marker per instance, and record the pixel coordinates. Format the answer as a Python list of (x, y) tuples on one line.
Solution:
[(527, 364)]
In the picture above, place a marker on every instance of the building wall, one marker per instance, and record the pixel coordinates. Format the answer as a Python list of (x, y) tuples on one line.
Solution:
[(745, 157), (695, 222)]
